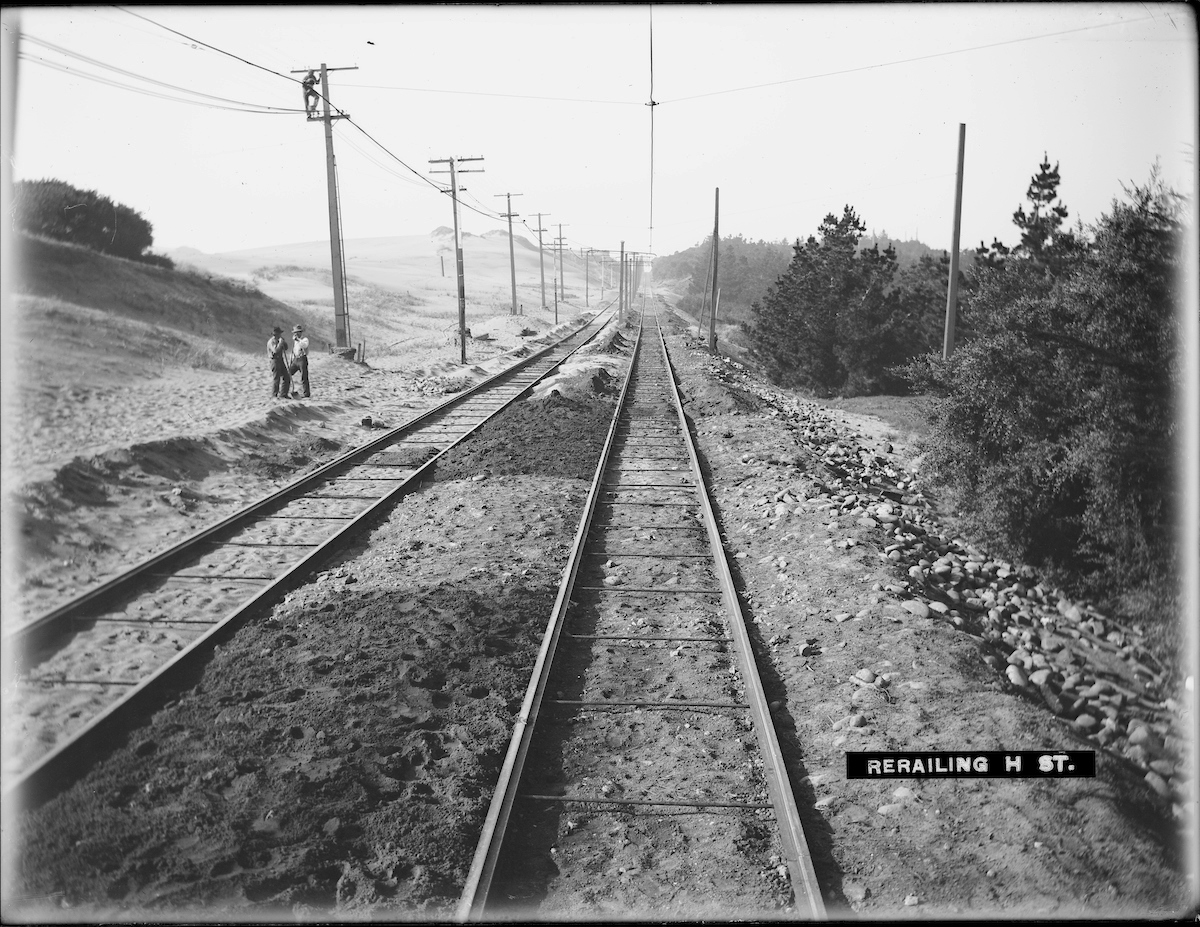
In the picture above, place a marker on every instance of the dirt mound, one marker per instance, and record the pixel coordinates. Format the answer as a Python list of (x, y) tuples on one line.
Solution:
[(536, 436), (288, 460), (715, 398)]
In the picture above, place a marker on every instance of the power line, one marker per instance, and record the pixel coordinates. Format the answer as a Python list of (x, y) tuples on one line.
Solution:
[(142, 77), (887, 64), (482, 93), (206, 45), (109, 82), (252, 64)]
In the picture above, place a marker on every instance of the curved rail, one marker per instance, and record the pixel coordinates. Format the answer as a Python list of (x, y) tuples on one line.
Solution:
[(474, 901), (307, 498)]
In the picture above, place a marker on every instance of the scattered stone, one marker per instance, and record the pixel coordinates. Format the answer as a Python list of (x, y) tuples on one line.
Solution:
[(1016, 677), (1158, 783), (920, 609), (1086, 723), (910, 900), (855, 892)]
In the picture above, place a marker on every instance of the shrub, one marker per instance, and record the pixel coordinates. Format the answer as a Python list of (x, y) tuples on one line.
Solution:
[(84, 217), (1055, 421)]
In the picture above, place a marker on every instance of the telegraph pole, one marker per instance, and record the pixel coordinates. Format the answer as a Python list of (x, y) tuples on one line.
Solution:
[(712, 326), (458, 254), (562, 270), (587, 255), (952, 286), (512, 261), (541, 255), (341, 317), (621, 297)]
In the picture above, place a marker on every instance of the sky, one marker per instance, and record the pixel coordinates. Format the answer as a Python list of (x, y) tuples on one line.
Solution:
[(791, 110)]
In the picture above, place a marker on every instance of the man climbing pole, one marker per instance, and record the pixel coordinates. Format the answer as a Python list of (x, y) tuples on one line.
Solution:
[(311, 97)]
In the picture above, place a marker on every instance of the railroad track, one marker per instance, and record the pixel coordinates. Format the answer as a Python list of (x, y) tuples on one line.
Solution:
[(144, 628), (644, 777)]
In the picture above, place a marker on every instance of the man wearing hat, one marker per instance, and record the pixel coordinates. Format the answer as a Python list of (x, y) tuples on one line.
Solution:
[(300, 353), (281, 381)]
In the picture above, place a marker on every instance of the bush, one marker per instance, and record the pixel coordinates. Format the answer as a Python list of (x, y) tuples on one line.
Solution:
[(58, 210), (158, 260), (1055, 421)]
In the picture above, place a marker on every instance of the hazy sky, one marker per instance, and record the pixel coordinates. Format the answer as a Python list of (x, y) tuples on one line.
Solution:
[(792, 110)]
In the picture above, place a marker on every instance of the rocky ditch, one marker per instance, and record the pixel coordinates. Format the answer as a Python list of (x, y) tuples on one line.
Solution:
[(1090, 670)]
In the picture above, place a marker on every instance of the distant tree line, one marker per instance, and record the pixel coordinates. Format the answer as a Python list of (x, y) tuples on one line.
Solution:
[(745, 270), (58, 210), (842, 318)]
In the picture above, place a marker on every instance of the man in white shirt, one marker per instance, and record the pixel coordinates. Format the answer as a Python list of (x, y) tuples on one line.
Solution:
[(300, 353)]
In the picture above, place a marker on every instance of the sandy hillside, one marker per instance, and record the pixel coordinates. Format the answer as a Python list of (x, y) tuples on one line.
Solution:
[(407, 280)]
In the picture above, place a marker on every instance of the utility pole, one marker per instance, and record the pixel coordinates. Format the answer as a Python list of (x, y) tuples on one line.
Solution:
[(712, 325), (458, 254), (541, 255), (952, 286), (341, 317), (621, 297), (562, 270), (512, 260), (587, 259)]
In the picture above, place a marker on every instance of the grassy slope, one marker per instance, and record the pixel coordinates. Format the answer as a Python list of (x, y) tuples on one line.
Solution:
[(201, 306)]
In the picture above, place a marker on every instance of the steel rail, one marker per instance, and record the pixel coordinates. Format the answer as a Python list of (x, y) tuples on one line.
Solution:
[(487, 852), (72, 757), (28, 636), (799, 859), (806, 891)]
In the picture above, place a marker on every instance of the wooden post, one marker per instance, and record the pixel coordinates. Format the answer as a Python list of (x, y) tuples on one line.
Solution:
[(341, 324), (712, 327), (621, 296), (952, 286)]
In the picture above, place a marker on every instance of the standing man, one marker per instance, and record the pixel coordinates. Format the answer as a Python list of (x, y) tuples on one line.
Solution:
[(281, 381), (300, 353), (311, 97)]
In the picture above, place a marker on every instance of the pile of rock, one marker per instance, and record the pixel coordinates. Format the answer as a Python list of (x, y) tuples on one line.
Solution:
[(1085, 667)]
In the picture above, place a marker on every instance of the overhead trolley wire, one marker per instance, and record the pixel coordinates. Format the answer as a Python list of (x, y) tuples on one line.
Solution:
[(888, 64), (484, 93), (651, 104)]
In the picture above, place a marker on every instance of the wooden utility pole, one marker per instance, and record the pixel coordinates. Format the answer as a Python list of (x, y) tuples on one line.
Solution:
[(562, 270), (541, 255), (621, 290), (512, 260), (712, 323), (952, 286), (458, 252), (341, 315), (704, 293)]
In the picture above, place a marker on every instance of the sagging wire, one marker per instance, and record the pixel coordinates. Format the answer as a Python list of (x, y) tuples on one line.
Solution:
[(150, 80), (109, 82)]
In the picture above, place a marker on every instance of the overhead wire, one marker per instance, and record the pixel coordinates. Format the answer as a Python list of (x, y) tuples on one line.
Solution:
[(651, 104), (484, 93), (211, 47), (109, 82), (888, 64), (150, 80)]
